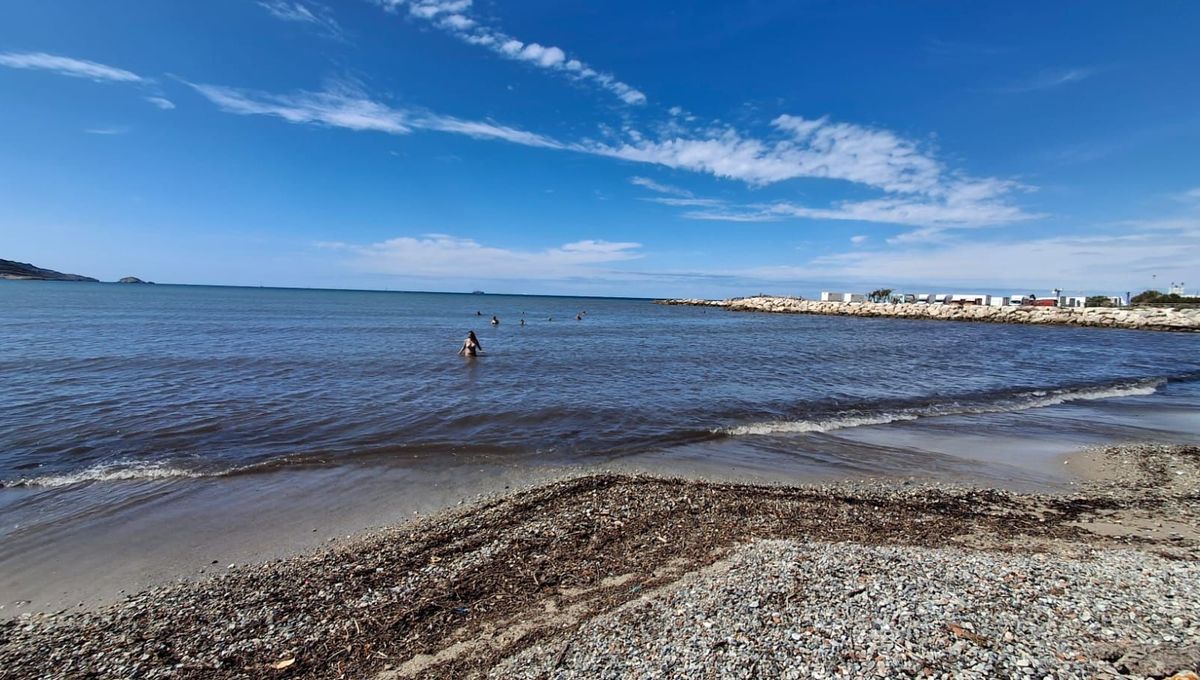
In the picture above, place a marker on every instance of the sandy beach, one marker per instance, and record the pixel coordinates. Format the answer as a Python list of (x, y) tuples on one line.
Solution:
[(636, 576)]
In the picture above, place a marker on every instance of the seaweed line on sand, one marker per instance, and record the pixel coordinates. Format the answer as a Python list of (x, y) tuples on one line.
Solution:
[(462, 593)]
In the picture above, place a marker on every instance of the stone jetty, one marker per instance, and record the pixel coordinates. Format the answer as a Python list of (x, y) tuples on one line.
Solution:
[(1139, 318)]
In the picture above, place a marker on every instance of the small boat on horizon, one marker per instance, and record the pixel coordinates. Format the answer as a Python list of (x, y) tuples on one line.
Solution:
[(477, 292)]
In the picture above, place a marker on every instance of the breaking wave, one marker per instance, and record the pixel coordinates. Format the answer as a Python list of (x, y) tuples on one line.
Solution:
[(1018, 401), (107, 472)]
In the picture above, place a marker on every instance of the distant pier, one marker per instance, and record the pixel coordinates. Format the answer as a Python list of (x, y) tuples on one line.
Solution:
[(1137, 318)]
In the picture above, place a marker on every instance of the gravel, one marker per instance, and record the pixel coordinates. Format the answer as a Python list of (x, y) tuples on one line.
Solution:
[(637, 576), (783, 609)]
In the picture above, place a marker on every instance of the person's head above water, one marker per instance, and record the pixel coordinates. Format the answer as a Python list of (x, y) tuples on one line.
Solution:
[(471, 336)]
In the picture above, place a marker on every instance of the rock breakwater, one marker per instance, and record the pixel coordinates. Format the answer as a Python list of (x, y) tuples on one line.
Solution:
[(1139, 318)]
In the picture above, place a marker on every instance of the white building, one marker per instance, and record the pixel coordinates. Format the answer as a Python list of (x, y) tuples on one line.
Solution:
[(827, 296), (970, 298)]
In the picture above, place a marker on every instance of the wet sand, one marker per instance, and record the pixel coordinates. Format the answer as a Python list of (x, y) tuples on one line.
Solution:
[(68, 555), (171, 530), (458, 594)]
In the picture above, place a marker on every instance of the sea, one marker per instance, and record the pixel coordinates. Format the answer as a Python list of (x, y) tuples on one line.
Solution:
[(148, 426)]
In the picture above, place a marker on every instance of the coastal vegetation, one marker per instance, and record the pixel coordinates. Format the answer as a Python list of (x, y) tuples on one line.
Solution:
[(1154, 297), (880, 295)]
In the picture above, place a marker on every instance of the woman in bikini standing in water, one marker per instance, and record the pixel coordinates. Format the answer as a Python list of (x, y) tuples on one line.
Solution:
[(471, 346)]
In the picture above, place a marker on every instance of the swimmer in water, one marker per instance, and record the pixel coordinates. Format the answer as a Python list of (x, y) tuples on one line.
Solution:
[(495, 321), (471, 346), (579, 317), (522, 322)]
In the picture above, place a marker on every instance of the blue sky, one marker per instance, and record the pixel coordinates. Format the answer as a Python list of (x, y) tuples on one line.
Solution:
[(636, 148)]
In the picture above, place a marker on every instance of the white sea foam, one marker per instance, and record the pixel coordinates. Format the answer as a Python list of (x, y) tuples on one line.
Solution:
[(1011, 403), (108, 472)]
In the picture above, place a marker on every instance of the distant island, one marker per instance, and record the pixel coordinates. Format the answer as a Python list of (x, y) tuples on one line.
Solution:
[(23, 271), (132, 279)]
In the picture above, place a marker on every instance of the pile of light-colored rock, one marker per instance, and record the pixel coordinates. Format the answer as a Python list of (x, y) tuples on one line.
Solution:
[(1142, 318)]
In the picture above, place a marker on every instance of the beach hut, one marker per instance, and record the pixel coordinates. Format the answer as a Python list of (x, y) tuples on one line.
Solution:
[(969, 299)]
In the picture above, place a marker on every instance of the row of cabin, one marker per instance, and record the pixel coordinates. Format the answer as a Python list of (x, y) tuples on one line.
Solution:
[(980, 299), (826, 296)]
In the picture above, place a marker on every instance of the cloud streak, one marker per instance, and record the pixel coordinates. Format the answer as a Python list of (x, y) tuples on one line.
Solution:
[(1050, 79), (441, 255), (66, 66), (918, 190), (107, 131), (1093, 263), (351, 110), (454, 17), (90, 70), (801, 148), (305, 12)]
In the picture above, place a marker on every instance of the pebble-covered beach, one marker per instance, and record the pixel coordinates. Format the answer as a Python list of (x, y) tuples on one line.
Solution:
[(617, 576)]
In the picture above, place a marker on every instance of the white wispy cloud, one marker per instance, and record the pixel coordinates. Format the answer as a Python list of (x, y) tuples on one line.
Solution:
[(108, 130), (726, 214), (918, 190), (349, 109), (673, 196), (860, 238), (956, 209), (1114, 261), (329, 108), (82, 68), (647, 183), (305, 12), (161, 102), (1049, 79), (485, 130), (685, 202), (973, 203), (453, 17), (67, 66), (804, 148), (441, 255)]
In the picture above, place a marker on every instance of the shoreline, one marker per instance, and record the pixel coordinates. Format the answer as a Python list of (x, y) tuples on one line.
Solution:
[(532, 579), (1137, 318)]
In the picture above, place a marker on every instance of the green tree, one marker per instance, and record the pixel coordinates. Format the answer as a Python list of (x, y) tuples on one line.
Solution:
[(1097, 301), (880, 295), (1146, 296)]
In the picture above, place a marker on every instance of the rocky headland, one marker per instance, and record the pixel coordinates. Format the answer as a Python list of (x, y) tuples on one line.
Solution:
[(1140, 318), (23, 271)]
